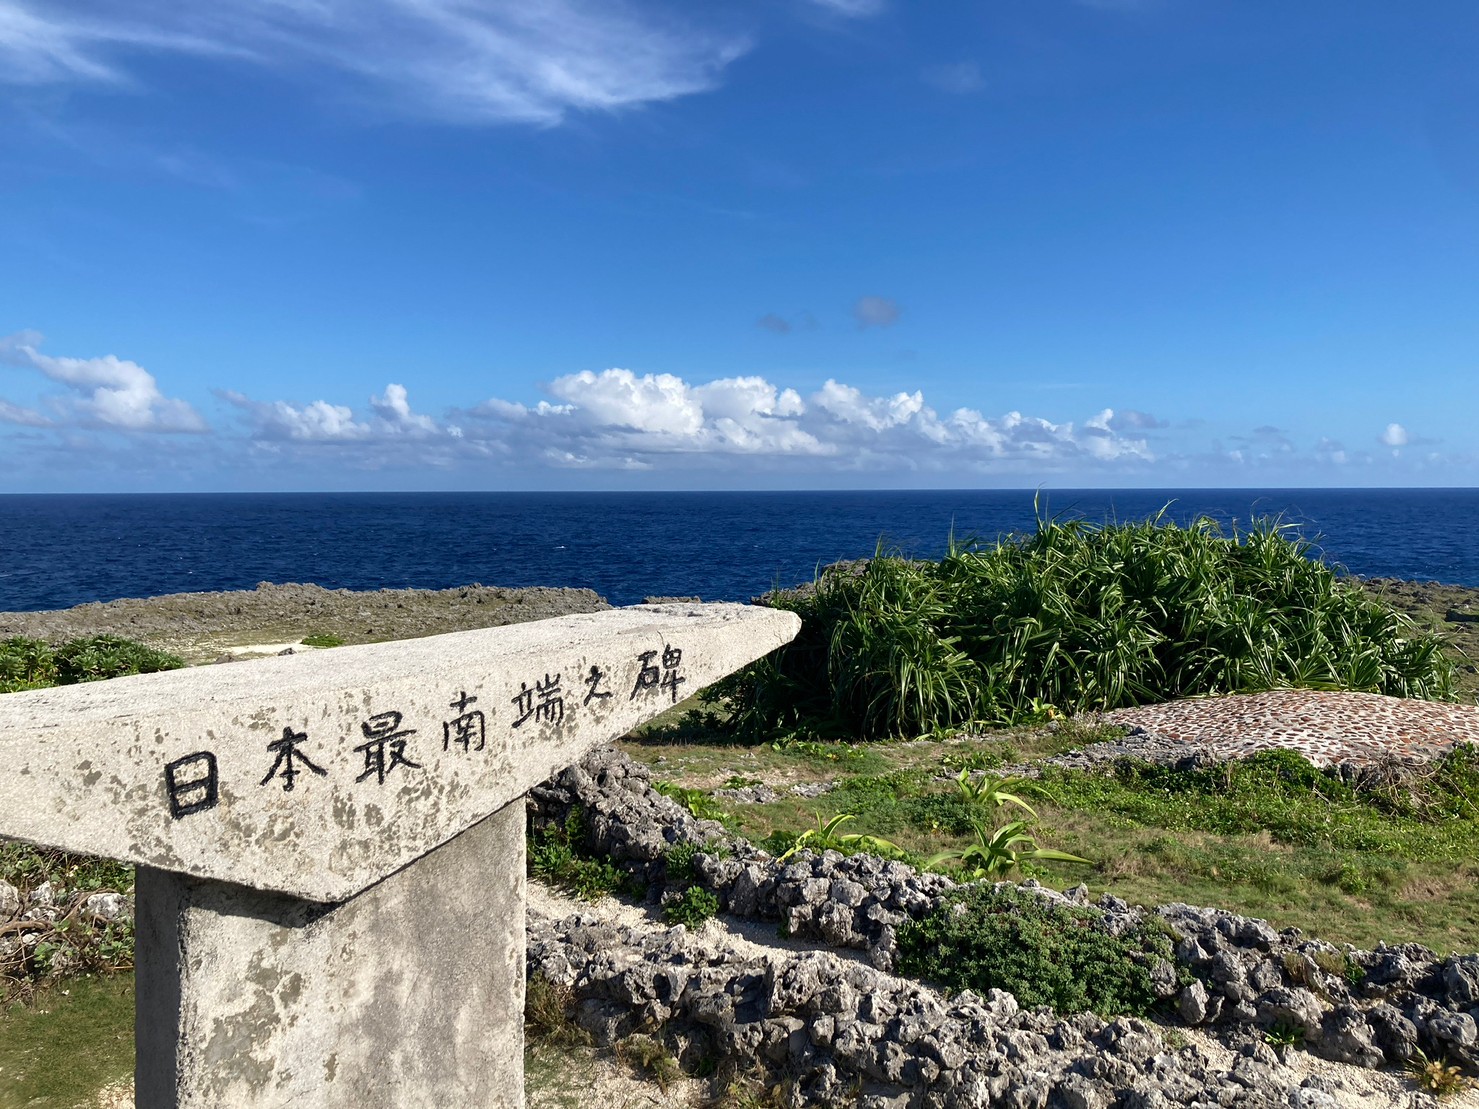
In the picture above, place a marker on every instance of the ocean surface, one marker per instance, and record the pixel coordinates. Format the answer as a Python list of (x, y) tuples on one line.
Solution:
[(61, 550)]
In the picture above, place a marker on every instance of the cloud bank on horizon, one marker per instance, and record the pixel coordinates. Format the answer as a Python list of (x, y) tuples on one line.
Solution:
[(647, 243), (618, 422)]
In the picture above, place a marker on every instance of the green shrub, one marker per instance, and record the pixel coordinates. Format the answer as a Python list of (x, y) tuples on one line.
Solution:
[(1074, 617), (695, 906), (26, 664), (108, 656), (679, 860), (986, 938), (33, 664), (557, 855), (322, 639)]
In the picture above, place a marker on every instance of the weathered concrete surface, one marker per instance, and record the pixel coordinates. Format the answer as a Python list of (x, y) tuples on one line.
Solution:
[(408, 995), (317, 775)]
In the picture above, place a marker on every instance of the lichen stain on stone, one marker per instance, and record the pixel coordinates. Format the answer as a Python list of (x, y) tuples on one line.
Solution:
[(373, 816), (331, 1067), (259, 720), (290, 989), (344, 813), (228, 1054)]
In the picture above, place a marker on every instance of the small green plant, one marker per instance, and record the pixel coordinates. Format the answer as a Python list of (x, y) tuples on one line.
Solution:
[(322, 639), (826, 837), (698, 802), (679, 859), (981, 758), (549, 1009), (695, 906), (1046, 953), (650, 1058), (739, 781), (996, 852), (1438, 1077), (1283, 1034), (989, 792), (556, 855)]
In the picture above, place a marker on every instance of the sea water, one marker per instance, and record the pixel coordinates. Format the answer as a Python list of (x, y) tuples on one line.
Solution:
[(61, 550)]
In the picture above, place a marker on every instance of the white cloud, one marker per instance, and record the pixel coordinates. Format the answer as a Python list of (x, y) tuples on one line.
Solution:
[(871, 311), (619, 420), (319, 422), (26, 417), (660, 404), (1394, 436), (469, 61), (1331, 451), (959, 78), (394, 410), (107, 392)]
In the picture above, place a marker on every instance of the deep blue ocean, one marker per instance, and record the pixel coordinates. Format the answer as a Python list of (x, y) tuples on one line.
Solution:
[(62, 550)]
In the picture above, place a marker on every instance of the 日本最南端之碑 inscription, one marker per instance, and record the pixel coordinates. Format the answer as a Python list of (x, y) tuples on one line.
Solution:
[(317, 775)]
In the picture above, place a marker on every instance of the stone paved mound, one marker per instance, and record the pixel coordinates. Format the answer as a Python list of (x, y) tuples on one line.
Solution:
[(1328, 728)]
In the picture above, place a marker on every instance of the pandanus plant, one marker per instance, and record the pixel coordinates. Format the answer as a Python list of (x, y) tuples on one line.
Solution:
[(996, 851)]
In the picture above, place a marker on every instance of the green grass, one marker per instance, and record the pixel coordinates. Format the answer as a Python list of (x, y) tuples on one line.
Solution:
[(70, 1041), (1072, 617), (322, 639), (1271, 837)]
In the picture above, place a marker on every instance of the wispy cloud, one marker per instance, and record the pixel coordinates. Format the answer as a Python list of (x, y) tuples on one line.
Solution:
[(958, 78), (850, 9), (874, 311), (463, 61), (106, 392)]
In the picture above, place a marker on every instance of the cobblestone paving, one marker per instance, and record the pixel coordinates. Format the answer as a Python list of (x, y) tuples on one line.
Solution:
[(1327, 728)]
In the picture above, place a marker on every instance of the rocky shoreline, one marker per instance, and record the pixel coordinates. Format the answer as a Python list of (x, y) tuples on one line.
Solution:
[(200, 626)]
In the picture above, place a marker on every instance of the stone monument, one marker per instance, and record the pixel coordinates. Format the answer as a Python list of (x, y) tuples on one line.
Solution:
[(330, 846)]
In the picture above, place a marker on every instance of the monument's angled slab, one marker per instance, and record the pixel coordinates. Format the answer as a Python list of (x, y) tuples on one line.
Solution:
[(319, 774)]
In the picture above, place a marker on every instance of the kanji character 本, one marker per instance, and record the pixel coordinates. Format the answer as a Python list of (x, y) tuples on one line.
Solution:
[(592, 681), (550, 706), (192, 794), (288, 757), (380, 732), (465, 729)]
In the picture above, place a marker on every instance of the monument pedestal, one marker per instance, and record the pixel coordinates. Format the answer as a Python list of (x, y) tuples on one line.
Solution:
[(408, 995)]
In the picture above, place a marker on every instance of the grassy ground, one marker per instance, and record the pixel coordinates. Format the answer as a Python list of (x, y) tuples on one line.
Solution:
[(67, 1043), (1271, 838)]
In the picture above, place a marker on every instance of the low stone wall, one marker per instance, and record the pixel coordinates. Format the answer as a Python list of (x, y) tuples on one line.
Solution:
[(1246, 976)]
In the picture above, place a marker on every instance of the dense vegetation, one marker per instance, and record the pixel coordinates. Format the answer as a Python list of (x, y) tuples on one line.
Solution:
[(35, 664), (1075, 616), (988, 938)]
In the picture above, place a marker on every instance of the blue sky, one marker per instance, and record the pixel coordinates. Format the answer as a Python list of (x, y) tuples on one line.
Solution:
[(585, 244)]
